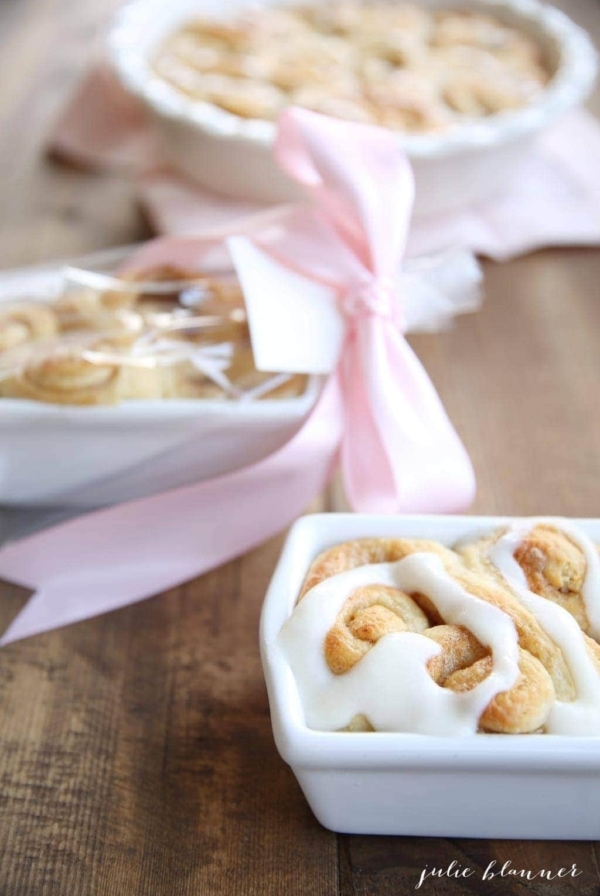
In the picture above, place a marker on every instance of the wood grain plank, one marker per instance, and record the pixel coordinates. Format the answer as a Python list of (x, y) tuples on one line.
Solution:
[(517, 379), (50, 210), (381, 866), (137, 753), (135, 750)]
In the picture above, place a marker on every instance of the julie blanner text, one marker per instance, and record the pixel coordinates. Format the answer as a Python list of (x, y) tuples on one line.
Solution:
[(495, 870)]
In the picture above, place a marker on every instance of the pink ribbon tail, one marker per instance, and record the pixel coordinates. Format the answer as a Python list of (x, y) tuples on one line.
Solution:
[(400, 452), (115, 557)]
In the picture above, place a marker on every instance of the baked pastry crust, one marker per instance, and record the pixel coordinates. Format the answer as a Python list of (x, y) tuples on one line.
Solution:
[(344, 59), (97, 375), (24, 323), (553, 564), (142, 338), (554, 567)]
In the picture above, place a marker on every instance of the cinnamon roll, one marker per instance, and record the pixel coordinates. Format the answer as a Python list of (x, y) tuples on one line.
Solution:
[(24, 323), (158, 296), (78, 310), (98, 375), (409, 635), (345, 59), (249, 382), (553, 570), (159, 333), (82, 308), (552, 561), (240, 380), (171, 298), (468, 29)]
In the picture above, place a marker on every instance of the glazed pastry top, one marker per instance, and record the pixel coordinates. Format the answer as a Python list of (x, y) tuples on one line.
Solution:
[(409, 635), (397, 65)]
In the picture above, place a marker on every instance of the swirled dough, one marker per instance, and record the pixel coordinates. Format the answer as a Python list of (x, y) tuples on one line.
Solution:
[(394, 64), (409, 635), (153, 333), (24, 323)]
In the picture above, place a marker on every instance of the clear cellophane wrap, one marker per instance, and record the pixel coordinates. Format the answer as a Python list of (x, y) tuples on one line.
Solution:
[(89, 335), (119, 381)]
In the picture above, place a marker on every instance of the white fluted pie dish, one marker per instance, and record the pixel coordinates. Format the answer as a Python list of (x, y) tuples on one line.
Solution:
[(232, 155)]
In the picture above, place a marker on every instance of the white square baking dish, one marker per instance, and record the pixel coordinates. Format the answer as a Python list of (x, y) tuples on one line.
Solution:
[(535, 786), (233, 155)]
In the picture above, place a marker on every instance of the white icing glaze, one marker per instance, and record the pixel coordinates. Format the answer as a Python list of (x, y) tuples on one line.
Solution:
[(582, 715), (377, 685)]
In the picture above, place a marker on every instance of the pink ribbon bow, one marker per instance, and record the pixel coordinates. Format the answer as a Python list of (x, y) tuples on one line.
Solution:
[(398, 449)]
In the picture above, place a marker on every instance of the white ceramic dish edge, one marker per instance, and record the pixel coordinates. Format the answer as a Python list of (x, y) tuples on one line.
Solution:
[(224, 142), (526, 787), (90, 456)]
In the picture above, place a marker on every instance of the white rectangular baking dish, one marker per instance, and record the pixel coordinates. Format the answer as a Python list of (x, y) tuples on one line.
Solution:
[(232, 155), (87, 457), (84, 457), (489, 786)]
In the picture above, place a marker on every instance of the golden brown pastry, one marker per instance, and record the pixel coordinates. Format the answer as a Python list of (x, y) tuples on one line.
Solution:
[(65, 378), (397, 587), (522, 709), (373, 611), (83, 308), (406, 101), (79, 310), (338, 103), (553, 563), (160, 333), (469, 29), (242, 380), (25, 323), (98, 375), (344, 58), (553, 566), (170, 289), (351, 554), (247, 380)]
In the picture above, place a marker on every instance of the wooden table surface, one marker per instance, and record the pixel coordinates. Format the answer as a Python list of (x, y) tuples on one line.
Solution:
[(136, 753)]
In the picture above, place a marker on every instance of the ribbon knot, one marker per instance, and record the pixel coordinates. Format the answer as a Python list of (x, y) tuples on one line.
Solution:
[(376, 298)]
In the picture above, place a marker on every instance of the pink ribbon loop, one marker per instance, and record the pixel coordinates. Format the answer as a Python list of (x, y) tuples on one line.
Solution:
[(353, 175)]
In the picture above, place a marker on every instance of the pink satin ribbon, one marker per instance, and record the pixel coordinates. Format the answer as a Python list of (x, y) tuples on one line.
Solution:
[(398, 450)]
